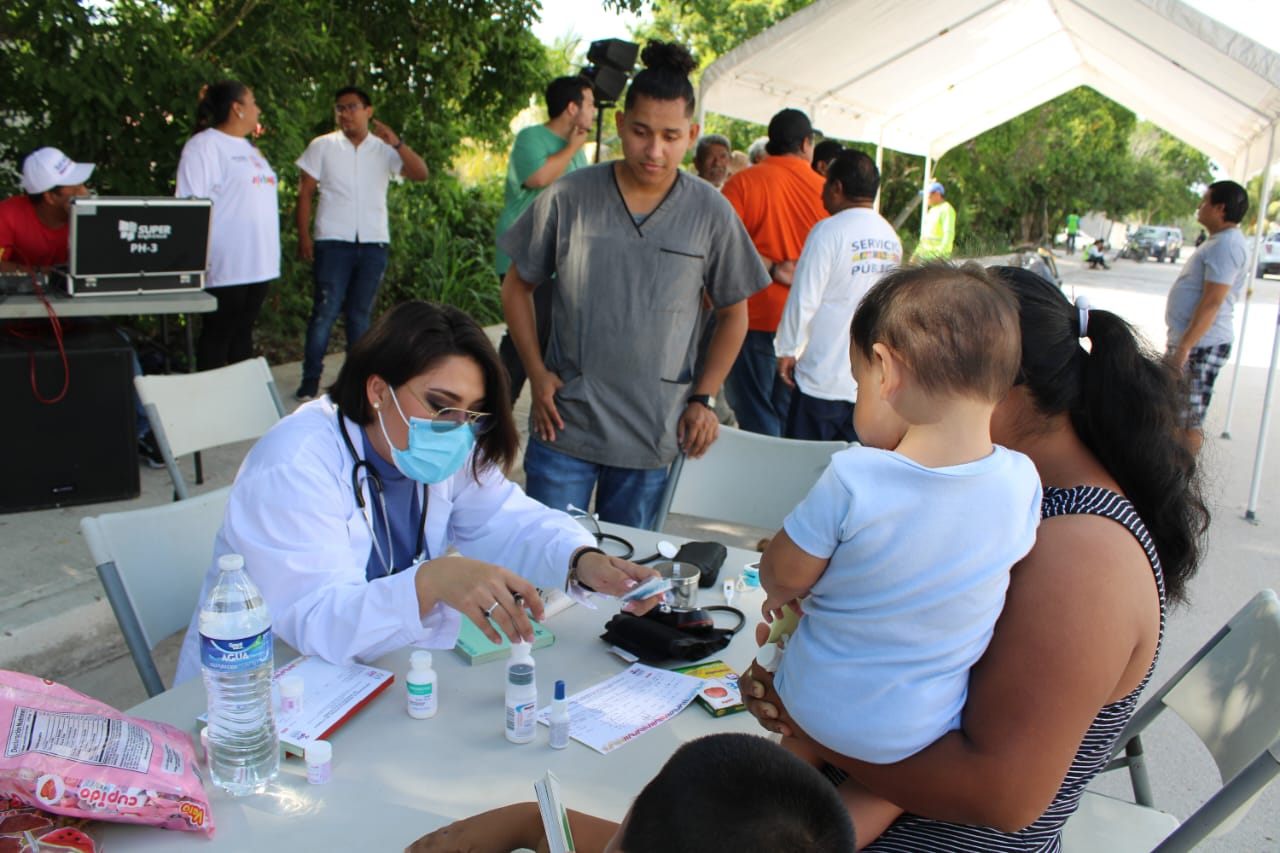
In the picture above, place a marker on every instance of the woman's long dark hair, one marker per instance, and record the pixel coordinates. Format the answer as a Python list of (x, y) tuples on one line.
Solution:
[(409, 340), (1125, 403)]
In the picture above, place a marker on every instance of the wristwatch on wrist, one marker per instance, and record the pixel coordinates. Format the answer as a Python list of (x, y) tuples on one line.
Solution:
[(707, 400), (399, 142)]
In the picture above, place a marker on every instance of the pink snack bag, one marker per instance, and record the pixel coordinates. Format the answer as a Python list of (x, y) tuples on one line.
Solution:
[(72, 755)]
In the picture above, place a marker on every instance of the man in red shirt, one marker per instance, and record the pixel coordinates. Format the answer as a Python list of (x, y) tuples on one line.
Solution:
[(778, 200), (34, 228)]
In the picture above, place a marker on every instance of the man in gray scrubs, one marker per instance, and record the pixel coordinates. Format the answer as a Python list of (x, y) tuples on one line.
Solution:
[(633, 245), (1203, 297)]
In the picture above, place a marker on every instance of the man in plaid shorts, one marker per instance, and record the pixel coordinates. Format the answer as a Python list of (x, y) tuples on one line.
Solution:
[(1199, 310)]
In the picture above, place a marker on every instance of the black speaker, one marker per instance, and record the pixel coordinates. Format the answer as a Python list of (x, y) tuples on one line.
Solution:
[(614, 53), (83, 448), (606, 83)]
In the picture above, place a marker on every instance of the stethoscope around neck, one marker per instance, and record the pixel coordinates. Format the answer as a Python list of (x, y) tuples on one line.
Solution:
[(374, 479)]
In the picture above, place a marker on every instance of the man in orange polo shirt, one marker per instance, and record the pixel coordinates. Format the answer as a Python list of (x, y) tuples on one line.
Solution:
[(778, 200)]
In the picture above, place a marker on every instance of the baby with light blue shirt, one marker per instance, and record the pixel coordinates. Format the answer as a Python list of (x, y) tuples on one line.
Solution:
[(899, 557)]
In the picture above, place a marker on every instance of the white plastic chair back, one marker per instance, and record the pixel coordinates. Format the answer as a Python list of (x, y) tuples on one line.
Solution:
[(152, 563), (190, 412), (751, 479)]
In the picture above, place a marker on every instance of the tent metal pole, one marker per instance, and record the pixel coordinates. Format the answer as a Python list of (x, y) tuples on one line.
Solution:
[(1244, 327), (1256, 485)]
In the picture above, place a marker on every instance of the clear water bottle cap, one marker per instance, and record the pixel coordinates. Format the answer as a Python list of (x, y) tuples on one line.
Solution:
[(421, 659), (230, 562)]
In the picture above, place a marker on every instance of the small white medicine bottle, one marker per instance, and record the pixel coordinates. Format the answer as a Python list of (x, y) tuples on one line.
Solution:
[(522, 695), (559, 719), (420, 684)]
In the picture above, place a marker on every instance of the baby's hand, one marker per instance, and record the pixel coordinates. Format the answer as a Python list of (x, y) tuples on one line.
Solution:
[(773, 608)]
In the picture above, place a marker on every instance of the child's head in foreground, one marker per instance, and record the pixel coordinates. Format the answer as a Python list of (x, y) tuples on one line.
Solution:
[(735, 792), (953, 330)]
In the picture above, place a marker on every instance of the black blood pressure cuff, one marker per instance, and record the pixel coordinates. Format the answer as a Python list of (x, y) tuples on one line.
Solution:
[(656, 638), (707, 556)]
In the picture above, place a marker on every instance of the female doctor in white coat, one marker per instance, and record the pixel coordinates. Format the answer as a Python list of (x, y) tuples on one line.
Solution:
[(344, 510)]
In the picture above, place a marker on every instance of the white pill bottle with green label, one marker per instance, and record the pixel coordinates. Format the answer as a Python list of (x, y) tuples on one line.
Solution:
[(421, 686)]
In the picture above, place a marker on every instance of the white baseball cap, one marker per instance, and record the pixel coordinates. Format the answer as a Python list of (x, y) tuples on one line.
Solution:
[(48, 168)]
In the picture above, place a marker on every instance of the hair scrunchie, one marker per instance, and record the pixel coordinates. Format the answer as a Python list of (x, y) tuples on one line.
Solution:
[(1082, 307)]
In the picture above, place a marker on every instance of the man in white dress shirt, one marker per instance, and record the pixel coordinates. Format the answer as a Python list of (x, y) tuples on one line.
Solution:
[(352, 167)]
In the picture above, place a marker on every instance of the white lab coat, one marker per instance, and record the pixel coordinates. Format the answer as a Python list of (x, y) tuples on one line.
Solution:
[(293, 516)]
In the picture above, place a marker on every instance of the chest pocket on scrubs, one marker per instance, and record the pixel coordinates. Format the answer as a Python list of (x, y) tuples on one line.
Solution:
[(674, 296)]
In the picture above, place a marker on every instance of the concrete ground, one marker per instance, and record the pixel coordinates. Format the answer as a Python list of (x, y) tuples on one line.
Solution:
[(54, 620)]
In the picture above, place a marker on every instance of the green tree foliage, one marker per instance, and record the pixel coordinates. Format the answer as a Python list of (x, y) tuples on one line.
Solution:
[(117, 84)]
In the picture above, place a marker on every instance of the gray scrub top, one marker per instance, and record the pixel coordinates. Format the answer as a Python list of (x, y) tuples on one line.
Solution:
[(1224, 259), (627, 305)]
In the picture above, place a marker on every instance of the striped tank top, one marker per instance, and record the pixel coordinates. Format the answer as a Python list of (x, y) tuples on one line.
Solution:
[(912, 834)]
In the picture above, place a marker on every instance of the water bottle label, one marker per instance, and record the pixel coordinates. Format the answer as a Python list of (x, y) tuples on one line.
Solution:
[(236, 655)]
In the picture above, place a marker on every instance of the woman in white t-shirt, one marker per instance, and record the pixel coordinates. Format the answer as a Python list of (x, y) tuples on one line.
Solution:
[(220, 163)]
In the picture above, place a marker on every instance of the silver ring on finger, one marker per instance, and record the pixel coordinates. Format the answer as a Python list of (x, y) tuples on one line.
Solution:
[(492, 607)]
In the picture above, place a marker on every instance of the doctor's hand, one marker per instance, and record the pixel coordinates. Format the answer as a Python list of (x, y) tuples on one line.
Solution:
[(477, 589), (615, 576), (546, 419)]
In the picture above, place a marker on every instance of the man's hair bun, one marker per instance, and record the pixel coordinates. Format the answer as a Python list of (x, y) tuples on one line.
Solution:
[(668, 56)]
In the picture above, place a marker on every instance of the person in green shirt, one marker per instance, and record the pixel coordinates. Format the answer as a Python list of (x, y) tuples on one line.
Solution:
[(938, 235), (541, 154), (1073, 228)]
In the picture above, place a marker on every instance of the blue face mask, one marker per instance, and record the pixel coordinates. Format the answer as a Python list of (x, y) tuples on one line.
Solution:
[(433, 456)]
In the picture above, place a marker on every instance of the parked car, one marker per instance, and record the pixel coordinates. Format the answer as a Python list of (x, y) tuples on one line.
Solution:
[(1269, 260), (1156, 241)]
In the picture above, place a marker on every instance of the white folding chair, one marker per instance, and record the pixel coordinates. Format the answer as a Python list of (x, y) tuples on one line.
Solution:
[(746, 478), (152, 563), (190, 412), (1229, 694)]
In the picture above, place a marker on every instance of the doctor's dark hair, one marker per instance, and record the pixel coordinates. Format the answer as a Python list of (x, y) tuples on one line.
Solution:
[(216, 101), (737, 792), (412, 338), (665, 76), (954, 327), (1125, 403)]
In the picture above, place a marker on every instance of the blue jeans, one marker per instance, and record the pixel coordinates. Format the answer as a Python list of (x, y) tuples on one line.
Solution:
[(347, 277), (760, 400), (629, 496)]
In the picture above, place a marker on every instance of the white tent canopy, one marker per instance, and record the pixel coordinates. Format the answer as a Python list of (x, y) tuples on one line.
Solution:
[(924, 76)]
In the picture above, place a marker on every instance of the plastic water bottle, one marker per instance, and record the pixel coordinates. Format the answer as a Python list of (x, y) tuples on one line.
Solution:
[(237, 659)]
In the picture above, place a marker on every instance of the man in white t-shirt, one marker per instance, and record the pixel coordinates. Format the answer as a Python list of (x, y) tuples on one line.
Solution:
[(843, 256), (1202, 300), (352, 167)]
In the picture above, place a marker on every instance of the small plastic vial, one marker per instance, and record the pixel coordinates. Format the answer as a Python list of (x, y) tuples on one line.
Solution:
[(319, 754), (291, 691), (421, 686), (522, 703), (559, 719)]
